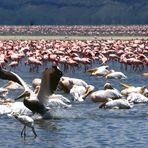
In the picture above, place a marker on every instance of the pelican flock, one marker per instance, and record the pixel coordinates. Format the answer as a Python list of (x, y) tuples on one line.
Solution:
[(54, 90)]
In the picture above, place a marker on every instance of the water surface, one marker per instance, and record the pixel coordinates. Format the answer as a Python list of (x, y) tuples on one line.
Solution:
[(84, 125)]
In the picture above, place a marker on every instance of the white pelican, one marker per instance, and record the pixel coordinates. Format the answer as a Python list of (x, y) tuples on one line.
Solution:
[(78, 88), (37, 102), (116, 104), (129, 89), (58, 100), (9, 106), (115, 75), (79, 93), (66, 83), (103, 95), (135, 97), (26, 121), (99, 71), (36, 82), (10, 85)]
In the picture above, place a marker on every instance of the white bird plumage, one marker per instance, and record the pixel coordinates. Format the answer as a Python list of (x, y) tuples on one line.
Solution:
[(115, 75), (99, 71), (77, 88), (116, 104), (136, 97), (37, 102), (26, 121), (103, 95)]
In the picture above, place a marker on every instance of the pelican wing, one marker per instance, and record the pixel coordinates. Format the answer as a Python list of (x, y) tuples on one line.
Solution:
[(8, 75), (49, 83)]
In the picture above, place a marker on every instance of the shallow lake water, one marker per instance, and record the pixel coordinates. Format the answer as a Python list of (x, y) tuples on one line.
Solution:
[(84, 125)]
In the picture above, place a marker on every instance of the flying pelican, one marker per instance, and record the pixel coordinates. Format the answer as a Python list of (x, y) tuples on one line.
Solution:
[(36, 102)]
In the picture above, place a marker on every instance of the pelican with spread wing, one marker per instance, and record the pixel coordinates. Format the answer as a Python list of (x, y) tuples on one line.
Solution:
[(37, 103)]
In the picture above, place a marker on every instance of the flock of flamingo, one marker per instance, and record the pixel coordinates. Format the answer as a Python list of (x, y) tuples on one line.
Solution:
[(76, 30), (44, 96), (74, 53)]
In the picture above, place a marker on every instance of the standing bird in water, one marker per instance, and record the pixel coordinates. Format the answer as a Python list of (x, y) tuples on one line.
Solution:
[(27, 121)]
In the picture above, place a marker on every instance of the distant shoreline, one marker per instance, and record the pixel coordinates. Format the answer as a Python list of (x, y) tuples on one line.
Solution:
[(17, 37)]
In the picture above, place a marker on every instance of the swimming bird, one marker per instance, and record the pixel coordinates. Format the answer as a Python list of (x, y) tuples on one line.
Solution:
[(77, 88), (26, 121), (103, 95), (115, 75), (99, 71), (116, 104), (135, 97), (66, 83), (129, 89), (10, 85), (79, 93)]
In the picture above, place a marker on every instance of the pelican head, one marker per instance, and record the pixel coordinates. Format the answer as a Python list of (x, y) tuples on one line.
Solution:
[(108, 86), (65, 84), (142, 90)]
